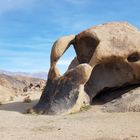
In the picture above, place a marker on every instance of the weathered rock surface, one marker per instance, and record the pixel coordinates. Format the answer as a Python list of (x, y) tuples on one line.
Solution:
[(107, 57), (129, 101)]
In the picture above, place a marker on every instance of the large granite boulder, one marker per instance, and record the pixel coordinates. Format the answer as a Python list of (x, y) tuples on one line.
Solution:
[(107, 57)]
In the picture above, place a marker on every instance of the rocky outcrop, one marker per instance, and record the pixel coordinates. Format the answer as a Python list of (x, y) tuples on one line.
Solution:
[(11, 86), (107, 57)]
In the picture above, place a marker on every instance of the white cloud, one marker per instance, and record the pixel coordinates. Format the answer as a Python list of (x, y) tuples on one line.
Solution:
[(64, 62), (62, 65)]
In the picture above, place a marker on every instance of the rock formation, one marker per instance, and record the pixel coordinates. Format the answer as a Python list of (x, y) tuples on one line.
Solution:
[(11, 86), (107, 57)]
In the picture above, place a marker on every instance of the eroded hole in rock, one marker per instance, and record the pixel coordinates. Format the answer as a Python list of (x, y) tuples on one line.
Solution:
[(134, 57), (85, 47), (66, 59), (109, 94)]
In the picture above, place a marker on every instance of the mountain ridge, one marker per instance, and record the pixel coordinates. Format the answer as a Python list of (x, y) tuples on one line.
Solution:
[(40, 75)]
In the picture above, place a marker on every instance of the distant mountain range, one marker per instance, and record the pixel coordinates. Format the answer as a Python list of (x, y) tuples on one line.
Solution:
[(40, 75)]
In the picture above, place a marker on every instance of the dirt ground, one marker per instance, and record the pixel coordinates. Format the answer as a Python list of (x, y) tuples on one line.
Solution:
[(90, 124)]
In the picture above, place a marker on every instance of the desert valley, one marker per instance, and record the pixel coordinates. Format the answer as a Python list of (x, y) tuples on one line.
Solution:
[(118, 119)]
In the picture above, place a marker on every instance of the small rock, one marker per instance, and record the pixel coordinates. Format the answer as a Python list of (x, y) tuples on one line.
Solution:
[(27, 99)]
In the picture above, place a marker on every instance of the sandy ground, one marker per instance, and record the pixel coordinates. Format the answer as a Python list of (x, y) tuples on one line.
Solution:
[(90, 124)]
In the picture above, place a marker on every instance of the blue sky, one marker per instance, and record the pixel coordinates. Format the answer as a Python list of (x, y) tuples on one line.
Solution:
[(28, 28)]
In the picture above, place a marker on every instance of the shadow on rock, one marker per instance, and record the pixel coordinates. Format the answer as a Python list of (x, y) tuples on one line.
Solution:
[(124, 99)]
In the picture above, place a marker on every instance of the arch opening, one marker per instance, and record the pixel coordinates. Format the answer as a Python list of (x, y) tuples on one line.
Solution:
[(66, 59)]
